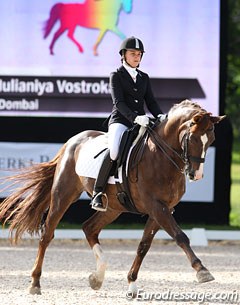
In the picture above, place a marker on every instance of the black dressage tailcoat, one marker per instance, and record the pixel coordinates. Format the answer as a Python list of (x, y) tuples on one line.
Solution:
[(129, 97)]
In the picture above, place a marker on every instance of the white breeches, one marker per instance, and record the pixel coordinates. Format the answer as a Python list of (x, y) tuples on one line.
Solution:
[(115, 132)]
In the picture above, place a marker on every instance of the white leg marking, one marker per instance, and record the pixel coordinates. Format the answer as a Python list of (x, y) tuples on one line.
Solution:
[(199, 172), (101, 263), (132, 289)]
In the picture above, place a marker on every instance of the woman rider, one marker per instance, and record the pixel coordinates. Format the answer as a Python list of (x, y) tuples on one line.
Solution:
[(130, 91)]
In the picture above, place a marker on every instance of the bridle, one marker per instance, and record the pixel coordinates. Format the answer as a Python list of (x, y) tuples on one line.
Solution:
[(183, 156), (184, 144)]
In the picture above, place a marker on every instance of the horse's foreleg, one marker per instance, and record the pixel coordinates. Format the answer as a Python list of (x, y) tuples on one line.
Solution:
[(92, 227), (150, 230), (99, 39), (71, 36), (118, 32), (165, 219), (102, 33)]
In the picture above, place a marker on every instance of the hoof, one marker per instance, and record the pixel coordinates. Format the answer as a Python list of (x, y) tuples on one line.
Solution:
[(95, 52), (204, 276), (35, 290), (94, 282)]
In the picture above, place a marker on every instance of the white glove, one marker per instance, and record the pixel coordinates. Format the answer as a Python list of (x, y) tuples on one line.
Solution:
[(142, 120), (162, 117)]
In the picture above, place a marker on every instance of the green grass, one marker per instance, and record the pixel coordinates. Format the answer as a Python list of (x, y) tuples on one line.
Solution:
[(235, 187)]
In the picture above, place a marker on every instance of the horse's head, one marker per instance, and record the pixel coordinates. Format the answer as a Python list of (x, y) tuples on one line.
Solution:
[(127, 5), (195, 136), (185, 137)]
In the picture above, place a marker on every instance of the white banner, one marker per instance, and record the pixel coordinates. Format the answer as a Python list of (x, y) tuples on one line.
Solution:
[(15, 156)]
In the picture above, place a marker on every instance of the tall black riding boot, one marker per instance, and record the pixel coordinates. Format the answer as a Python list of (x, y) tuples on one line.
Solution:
[(101, 182)]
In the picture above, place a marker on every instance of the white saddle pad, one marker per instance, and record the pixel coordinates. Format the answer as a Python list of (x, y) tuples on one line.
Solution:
[(86, 164)]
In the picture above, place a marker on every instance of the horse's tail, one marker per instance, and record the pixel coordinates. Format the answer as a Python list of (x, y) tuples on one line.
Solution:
[(25, 207), (54, 16)]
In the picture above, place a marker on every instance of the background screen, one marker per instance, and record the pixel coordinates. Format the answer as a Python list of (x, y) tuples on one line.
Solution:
[(70, 77)]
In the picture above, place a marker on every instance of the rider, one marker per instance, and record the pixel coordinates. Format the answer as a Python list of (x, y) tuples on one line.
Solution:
[(130, 90)]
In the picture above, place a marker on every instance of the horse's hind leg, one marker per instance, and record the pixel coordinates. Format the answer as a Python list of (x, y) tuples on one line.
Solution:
[(64, 193), (165, 219), (71, 36), (150, 230), (92, 227), (59, 32), (54, 216)]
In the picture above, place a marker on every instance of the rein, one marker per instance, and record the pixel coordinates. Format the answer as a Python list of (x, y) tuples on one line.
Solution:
[(161, 143), (184, 157)]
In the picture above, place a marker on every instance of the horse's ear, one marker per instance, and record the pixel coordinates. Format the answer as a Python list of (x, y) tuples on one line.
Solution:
[(217, 119), (196, 119)]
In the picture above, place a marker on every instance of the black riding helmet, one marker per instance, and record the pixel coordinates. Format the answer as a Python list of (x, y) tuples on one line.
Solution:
[(131, 43)]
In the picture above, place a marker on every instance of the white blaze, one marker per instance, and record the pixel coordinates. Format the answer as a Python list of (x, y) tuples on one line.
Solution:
[(199, 172)]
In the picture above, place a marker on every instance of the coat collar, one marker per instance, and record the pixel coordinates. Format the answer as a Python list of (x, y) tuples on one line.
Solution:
[(128, 76)]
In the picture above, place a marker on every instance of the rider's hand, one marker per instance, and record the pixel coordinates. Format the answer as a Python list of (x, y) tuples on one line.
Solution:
[(142, 120), (162, 117)]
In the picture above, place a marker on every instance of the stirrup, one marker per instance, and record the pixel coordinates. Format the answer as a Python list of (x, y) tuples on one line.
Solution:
[(97, 204)]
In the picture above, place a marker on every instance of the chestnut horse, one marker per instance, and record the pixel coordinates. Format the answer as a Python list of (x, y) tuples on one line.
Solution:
[(173, 149), (102, 15)]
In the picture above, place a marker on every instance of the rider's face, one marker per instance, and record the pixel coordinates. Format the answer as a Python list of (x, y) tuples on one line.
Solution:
[(133, 58)]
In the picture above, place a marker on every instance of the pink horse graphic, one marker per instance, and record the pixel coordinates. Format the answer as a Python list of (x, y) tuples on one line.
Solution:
[(95, 14)]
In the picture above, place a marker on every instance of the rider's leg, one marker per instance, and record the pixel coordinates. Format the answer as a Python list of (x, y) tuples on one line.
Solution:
[(101, 182), (115, 132)]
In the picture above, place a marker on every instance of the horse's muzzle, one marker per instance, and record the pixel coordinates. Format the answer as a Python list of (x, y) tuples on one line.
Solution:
[(194, 175)]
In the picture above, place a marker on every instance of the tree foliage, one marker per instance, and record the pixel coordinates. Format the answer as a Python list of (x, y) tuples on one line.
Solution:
[(233, 66)]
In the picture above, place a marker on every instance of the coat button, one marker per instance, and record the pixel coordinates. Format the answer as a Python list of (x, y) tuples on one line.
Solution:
[(136, 101), (135, 89)]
